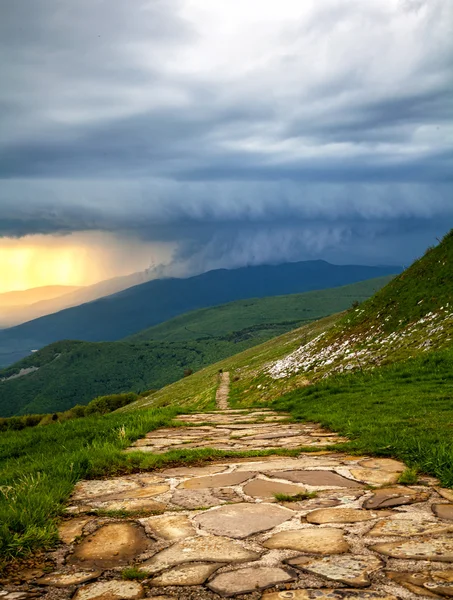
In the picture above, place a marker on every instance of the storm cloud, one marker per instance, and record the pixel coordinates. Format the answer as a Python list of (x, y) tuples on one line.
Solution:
[(244, 132)]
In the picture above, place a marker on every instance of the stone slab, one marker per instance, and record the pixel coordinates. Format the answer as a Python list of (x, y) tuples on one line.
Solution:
[(169, 527), (98, 488), (111, 590), (384, 464), (395, 496), (110, 546), (68, 531), (409, 528), (317, 478), (262, 488), (191, 499), (445, 493), (193, 471), (350, 570), (324, 541), (144, 492), (242, 520), (339, 515), (62, 579), (439, 549), (188, 574), (216, 481), (422, 583), (375, 476), (132, 505), (327, 594), (206, 548), (443, 511), (251, 579)]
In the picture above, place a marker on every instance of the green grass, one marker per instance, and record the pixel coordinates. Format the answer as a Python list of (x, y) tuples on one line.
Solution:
[(408, 477), (295, 497), (278, 313), (403, 410), (39, 467), (73, 372), (133, 574), (425, 286)]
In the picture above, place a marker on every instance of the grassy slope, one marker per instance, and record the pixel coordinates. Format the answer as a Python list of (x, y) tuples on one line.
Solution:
[(244, 314), (72, 372)]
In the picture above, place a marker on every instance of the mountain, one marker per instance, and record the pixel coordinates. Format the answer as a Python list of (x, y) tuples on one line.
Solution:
[(409, 318), (19, 307), (136, 308), (72, 372), (18, 298)]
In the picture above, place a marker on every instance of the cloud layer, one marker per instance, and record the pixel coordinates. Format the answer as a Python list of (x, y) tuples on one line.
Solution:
[(252, 131)]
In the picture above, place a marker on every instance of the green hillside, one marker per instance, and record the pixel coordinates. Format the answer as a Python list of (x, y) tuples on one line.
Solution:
[(67, 373), (410, 316)]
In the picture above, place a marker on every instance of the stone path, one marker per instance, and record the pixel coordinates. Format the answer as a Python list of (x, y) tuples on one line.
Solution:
[(223, 391), (316, 526)]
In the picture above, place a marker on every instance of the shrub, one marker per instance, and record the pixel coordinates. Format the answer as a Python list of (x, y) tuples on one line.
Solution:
[(105, 404)]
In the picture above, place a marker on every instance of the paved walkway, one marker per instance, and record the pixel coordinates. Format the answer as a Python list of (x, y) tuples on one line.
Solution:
[(223, 391), (317, 526)]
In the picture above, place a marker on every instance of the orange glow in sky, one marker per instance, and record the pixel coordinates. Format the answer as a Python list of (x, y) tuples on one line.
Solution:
[(75, 259)]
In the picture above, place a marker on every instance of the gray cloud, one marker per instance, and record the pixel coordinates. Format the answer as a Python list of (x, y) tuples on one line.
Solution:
[(322, 131)]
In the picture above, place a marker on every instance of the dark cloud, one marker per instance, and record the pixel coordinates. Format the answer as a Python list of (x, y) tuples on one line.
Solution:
[(315, 130)]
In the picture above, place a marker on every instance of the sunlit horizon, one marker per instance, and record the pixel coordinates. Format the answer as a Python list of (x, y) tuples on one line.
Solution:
[(78, 259)]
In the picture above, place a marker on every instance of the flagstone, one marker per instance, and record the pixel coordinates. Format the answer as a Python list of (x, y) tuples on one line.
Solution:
[(323, 540), (376, 476), (191, 499), (242, 520), (144, 492), (426, 584), (130, 505), (443, 511), (350, 570), (437, 548), (384, 464), (111, 590), (339, 515), (327, 594), (409, 527), (317, 478), (111, 545), (62, 579), (97, 488), (445, 493), (441, 582), (193, 471), (216, 481), (262, 488), (251, 579), (68, 531), (395, 496), (187, 574), (169, 527), (207, 548)]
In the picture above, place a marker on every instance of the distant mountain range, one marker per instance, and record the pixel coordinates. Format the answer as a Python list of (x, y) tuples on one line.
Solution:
[(116, 316), (22, 306)]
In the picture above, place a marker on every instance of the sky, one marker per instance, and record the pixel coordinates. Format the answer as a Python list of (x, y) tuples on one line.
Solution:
[(197, 134)]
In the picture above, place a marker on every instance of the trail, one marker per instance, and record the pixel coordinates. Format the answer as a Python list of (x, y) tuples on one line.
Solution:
[(321, 525), (223, 391)]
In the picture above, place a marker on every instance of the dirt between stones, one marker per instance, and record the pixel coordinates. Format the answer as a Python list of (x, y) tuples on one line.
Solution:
[(217, 531)]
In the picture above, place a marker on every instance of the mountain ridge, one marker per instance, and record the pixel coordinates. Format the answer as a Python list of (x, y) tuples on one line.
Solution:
[(131, 310)]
